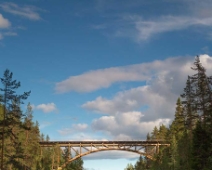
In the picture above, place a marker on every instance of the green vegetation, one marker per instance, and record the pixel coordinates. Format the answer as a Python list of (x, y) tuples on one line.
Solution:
[(20, 136), (190, 133)]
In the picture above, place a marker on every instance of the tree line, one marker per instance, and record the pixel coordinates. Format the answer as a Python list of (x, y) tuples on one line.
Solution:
[(190, 133), (20, 136)]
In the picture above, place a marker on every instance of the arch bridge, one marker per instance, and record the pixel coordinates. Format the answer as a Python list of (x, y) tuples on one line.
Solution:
[(82, 148)]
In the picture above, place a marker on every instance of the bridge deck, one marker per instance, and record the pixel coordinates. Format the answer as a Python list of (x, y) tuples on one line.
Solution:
[(89, 143)]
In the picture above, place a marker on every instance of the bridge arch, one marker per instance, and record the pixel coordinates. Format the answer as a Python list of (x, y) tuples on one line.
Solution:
[(108, 149)]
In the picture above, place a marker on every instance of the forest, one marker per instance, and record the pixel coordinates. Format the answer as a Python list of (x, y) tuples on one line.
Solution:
[(20, 136), (189, 134)]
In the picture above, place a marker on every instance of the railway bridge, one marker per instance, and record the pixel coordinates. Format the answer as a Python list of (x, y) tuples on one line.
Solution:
[(82, 148)]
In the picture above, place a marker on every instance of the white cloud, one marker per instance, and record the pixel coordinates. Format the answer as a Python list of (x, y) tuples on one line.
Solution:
[(146, 29), (126, 126), (94, 80), (125, 101), (80, 126), (29, 12), (144, 107), (103, 78), (76, 128), (142, 29), (4, 23), (141, 26), (163, 86), (46, 108), (131, 113)]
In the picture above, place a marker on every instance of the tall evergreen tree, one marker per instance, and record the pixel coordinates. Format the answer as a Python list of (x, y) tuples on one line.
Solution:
[(201, 143), (197, 108), (190, 133), (177, 127), (162, 134), (12, 113), (141, 164), (155, 134)]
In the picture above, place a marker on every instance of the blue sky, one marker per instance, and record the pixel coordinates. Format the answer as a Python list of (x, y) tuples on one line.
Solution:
[(103, 70)]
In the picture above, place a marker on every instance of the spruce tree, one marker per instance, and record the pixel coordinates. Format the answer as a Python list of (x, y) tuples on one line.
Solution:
[(178, 125), (200, 147), (198, 108)]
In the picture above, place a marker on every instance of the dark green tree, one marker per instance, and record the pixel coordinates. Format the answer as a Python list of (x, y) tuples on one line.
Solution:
[(141, 164), (11, 113), (201, 143), (198, 102), (155, 134), (163, 131), (177, 127)]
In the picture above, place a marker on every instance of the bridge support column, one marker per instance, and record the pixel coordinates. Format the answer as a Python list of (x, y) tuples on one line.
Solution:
[(157, 148)]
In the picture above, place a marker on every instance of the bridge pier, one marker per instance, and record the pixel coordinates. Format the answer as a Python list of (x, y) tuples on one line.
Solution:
[(157, 148)]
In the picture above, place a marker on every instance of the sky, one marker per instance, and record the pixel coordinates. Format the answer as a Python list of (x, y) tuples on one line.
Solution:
[(103, 69)]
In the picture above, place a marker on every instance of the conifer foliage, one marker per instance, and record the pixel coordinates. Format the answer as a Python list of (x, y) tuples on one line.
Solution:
[(11, 119), (20, 136), (190, 133)]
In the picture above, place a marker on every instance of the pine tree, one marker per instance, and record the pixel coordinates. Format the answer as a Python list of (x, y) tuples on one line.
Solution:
[(189, 106), (11, 115)]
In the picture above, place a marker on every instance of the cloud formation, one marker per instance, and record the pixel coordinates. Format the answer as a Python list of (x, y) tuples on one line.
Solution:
[(27, 11), (75, 128), (94, 80), (141, 27), (104, 78), (46, 108), (148, 28), (126, 126), (145, 106), (4, 23)]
